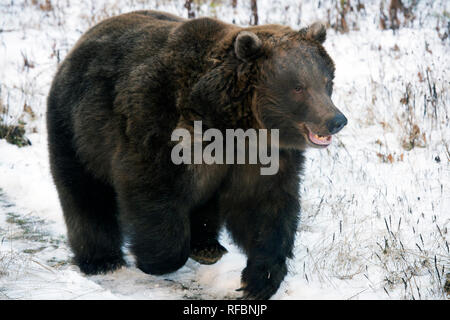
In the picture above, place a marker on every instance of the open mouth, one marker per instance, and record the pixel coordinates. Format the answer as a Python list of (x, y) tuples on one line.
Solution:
[(318, 140)]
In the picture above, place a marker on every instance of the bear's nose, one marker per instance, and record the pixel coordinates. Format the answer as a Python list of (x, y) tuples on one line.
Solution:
[(337, 123)]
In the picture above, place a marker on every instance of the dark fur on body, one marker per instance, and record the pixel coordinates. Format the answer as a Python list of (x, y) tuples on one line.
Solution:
[(115, 100)]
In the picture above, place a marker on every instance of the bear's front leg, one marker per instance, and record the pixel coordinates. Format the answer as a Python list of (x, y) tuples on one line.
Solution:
[(159, 233), (267, 231), (154, 212)]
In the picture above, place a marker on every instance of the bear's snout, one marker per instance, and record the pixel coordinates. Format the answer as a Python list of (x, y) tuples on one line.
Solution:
[(336, 124)]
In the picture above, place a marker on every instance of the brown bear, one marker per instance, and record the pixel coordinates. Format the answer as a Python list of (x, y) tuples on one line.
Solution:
[(133, 79)]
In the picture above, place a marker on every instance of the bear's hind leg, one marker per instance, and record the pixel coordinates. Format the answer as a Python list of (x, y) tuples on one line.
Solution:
[(90, 212), (208, 252), (205, 226)]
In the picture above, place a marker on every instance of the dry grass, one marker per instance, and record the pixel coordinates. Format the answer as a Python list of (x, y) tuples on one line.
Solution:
[(14, 134)]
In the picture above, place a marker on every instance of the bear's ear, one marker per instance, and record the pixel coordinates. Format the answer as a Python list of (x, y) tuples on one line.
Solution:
[(247, 46), (317, 32)]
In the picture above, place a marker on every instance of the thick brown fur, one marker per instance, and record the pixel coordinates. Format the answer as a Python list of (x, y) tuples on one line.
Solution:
[(114, 102)]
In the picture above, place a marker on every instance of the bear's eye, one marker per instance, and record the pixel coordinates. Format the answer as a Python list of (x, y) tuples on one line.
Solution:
[(299, 89)]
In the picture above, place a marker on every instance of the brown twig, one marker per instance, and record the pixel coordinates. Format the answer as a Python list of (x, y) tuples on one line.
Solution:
[(254, 18), (188, 6)]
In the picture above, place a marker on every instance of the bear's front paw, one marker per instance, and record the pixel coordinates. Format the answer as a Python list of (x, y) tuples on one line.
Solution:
[(99, 265), (207, 253), (260, 282)]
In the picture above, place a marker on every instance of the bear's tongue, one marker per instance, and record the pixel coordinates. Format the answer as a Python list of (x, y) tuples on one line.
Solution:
[(316, 139)]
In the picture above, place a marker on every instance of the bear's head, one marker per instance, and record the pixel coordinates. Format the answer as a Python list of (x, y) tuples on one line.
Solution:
[(268, 77), (294, 83)]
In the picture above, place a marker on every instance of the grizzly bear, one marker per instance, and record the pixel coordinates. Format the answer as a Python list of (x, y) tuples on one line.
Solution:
[(128, 83)]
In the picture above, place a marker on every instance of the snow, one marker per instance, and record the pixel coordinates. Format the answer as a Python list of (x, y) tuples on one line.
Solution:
[(375, 216)]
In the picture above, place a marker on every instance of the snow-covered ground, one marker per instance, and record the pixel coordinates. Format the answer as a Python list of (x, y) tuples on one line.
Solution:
[(376, 204)]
